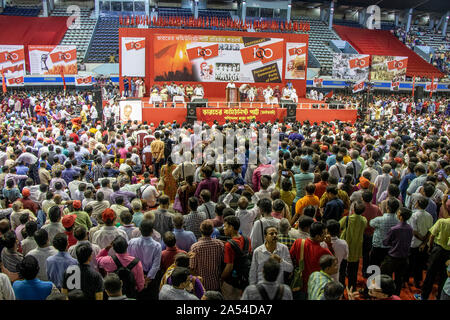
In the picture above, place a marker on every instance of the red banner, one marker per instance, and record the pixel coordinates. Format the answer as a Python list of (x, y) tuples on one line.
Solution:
[(135, 45), (205, 53), (84, 81), (13, 56), (297, 51), (15, 81), (13, 69), (242, 114), (359, 62), (397, 64), (265, 54), (63, 56)]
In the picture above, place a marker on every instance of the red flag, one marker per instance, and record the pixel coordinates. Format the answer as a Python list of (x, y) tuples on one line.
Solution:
[(432, 86), (359, 62), (358, 86), (3, 81), (329, 94), (205, 52), (395, 85), (64, 80)]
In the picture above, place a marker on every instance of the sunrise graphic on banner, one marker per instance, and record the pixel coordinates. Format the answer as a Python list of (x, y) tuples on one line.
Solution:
[(207, 58)]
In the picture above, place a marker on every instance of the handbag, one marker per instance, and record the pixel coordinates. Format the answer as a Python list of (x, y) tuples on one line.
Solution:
[(297, 278), (177, 204)]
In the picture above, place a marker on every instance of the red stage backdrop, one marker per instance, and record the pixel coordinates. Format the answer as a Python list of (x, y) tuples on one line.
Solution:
[(213, 58)]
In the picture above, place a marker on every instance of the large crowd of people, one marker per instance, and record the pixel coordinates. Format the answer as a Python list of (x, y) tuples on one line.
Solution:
[(96, 209)]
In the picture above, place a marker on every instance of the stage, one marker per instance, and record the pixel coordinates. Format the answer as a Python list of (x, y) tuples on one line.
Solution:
[(245, 111)]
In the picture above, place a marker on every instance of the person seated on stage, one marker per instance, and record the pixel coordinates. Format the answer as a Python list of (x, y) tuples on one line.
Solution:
[(277, 93), (287, 92), (189, 91), (155, 97), (231, 84), (164, 93), (251, 94), (268, 94), (179, 92), (198, 92), (294, 96)]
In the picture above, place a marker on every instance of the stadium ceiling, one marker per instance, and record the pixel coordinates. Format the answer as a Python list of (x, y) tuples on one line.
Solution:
[(440, 6)]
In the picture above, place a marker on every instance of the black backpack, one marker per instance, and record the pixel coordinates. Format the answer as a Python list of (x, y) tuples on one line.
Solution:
[(127, 277), (265, 296), (241, 264)]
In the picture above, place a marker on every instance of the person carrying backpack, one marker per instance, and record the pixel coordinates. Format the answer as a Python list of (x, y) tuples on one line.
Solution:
[(269, 288), (128, 268), (237, 259)]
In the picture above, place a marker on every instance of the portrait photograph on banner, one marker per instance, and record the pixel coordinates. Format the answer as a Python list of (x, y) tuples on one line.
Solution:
[(217, 58), (53, 59), (351, 66), (130, 110), (388, 68), (133, 57), (296, 60)]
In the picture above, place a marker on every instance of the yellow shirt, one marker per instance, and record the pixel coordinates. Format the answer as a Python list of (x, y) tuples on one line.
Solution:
[(441, 231), (157, 147), (308, 200), (83, 116), (346, 159)]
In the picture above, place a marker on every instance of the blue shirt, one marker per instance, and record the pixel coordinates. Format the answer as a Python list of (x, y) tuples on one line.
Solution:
[(57, 265), (405, 183), (32, 289), (331, 160), (23, 170), (148, 251), (296, 136), (185, 239), (68, 174)]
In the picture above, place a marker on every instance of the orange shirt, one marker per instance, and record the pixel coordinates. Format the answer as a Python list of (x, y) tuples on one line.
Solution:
[(308, 200)]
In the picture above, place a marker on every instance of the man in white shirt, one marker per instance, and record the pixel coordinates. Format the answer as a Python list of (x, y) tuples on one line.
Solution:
[(421, 221), (198, 92), (231, 84), (42, 252), (270, 248), (106, 234)]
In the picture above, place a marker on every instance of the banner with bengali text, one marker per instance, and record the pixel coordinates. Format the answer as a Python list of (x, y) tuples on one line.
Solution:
[(240, 114)]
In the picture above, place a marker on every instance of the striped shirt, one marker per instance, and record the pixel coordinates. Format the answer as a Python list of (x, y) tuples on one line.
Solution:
[(316, 284), (10, 259)]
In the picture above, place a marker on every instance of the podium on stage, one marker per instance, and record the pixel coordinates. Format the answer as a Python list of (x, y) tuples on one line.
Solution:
[(232, 96)]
